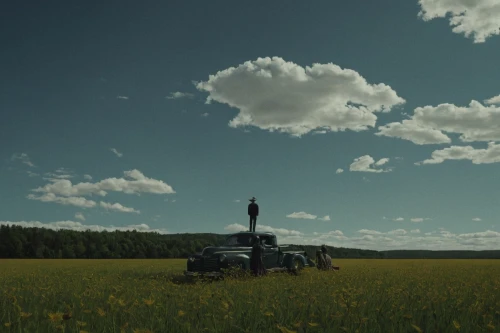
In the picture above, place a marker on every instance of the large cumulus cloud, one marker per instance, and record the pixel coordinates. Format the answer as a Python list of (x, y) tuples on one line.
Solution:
[(275, 95)]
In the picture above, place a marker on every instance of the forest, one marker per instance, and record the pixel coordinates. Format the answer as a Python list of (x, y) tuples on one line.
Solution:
[(30, 243)]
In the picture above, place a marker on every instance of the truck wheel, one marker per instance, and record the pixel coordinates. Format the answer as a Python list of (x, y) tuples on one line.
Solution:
[(297, 265)]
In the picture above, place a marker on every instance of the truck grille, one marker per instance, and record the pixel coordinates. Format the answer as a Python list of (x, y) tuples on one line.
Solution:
[(205, 265)]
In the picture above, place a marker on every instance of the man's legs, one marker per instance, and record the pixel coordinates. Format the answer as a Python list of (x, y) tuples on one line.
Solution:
[(253, 220)]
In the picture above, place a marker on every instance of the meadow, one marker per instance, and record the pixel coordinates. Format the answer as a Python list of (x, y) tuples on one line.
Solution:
[(151, 296)]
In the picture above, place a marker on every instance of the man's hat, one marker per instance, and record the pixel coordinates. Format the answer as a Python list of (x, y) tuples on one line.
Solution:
[(253, 199)]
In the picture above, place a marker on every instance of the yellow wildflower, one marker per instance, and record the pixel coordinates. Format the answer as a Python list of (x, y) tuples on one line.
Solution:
[(111, 299), (25, 315), (55, 317), (418, 329), (148, 301), (285, 330)]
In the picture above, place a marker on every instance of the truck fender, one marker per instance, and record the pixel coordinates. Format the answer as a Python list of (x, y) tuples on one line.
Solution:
[(290, 257), (240, 259)]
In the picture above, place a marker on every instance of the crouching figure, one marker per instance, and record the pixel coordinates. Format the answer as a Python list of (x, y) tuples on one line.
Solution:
[(324, 261)]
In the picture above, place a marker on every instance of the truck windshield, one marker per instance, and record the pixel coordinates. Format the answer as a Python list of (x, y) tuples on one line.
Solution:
[(239, 240)]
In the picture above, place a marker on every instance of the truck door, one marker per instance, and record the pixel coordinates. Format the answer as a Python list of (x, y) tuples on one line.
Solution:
[(271, 254)]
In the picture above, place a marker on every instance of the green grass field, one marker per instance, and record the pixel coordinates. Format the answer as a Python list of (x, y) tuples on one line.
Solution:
[(150, 296)]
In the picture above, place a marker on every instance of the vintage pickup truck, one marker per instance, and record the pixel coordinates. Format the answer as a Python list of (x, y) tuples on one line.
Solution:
[(236, 252)]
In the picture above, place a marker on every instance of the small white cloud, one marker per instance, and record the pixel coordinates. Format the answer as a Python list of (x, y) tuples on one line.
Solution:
[(32, 174), (479, 19), (364, 164), (67, 201), (493, 100), (415, 231), (339, 170), (475, 122), (477, 219), (137, 183), (398, 219), (369, 232), (116, 152), (122, 97), (24, 158), (382, 161), (325, 218), (178, 94), (397, 232), (335, 235), (235, 227), (57, 175), (206, 114), (414, 132), (302, 215), (118, 208), (87, 177), (477, 156), (417, 219), (237, 200), (79, 216)]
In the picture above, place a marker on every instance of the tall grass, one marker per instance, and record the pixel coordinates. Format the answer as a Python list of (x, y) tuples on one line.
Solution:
[(151, 296)]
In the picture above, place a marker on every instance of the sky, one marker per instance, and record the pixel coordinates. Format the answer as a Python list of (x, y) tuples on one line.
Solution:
[(366, 124)]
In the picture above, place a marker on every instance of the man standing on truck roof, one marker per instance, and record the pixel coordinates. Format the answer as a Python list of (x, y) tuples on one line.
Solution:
[(253, 212)]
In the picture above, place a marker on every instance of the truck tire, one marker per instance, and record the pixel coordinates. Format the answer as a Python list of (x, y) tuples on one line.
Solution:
[(297, 265)]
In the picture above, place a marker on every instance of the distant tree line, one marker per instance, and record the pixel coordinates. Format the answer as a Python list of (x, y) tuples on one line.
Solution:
[(19, 242), (28, 243)]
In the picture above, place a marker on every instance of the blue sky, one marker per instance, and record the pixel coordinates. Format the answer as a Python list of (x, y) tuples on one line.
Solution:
[(170, 116)]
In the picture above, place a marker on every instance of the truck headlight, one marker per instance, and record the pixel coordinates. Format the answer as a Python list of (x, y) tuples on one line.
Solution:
[(222, 257)]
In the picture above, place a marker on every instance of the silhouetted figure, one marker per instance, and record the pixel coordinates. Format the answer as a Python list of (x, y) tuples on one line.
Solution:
[(323, 259), (256, 262), (253, 212)]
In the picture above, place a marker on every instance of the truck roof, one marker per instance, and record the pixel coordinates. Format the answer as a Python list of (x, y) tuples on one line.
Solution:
[(256, 233)]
